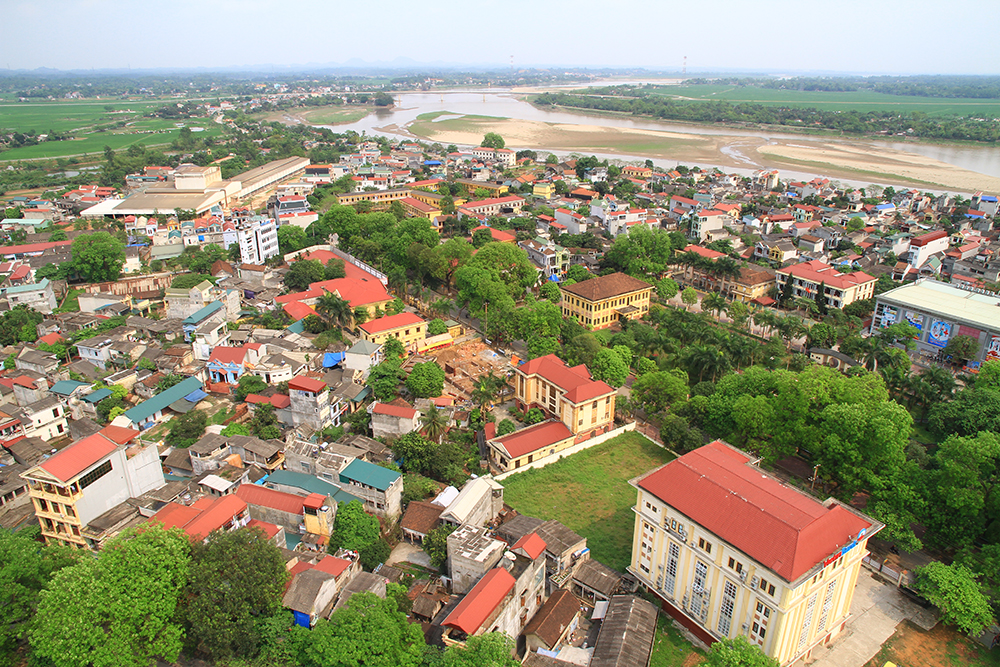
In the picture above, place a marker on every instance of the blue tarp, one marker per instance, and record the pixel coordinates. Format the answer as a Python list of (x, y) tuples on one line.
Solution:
[(302, 619), (195, 396), (553, 278), (331, 359)]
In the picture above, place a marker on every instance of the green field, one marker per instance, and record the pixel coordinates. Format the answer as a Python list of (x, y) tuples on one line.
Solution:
[(150, 132), (336, 115), (425, 126), (41, 117), (833, 101), (589, 492)]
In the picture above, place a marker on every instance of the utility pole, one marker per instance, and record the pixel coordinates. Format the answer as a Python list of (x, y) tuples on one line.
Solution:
[(815, 473)]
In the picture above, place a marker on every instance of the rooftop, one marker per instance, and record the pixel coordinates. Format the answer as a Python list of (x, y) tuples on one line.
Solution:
[(81, 455), (369, 473), (479, 603), (533, 438), (605, 287), (391, 322), (947, 301), (781, 528)]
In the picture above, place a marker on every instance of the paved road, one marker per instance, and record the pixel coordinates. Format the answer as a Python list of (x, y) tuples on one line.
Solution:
[(876, 610)]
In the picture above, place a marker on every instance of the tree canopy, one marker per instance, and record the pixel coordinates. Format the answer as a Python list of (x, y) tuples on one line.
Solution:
[(98, 257)]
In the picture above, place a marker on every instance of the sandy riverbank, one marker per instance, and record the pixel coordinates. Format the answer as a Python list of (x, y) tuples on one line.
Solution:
[(842, 159)]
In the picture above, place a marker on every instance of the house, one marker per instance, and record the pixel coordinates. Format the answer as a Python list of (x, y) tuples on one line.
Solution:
[(730, 550), (89, 477), (754, 282), (627, 633), (842, 289), (362, 357), (227, 364), (600, 302), (594, 582), (303, 484), (924, 246), (148, 413), (554, 622), (550, 258), (207, 515), (45, 419), (407, 328), (777, 250), (381, 489), (309, 404), (314, 514), (391, 421), (419, 519), (477, 504), (39, 296), (309, 593), (707, 223), (573, 221)]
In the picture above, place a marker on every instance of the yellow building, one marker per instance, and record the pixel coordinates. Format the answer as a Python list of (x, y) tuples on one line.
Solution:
[(577, 408), (86, 479), (602, 301), (416, 208), (406, 327), (731, 551), (842, 289), (546, 189), (754, 283)]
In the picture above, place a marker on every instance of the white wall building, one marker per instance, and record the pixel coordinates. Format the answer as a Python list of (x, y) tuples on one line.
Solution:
[(258, 239)]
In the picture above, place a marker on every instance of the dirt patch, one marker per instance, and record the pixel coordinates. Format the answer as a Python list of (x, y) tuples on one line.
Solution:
[(911, 646)]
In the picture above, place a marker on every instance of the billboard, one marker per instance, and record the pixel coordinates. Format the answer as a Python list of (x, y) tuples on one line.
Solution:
[(993, 350), (886, 316), (939, 333), (914, 319)]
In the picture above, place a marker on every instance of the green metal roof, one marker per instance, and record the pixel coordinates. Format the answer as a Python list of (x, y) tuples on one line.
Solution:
[(97, 396), (369, 473), (203, 313), (66, 387), (310, 483), (30, 287), (161, 401)]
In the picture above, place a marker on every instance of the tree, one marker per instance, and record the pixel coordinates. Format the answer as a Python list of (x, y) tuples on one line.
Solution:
[(714, 302), (335, 269), (249, 384), (436, 327), (235, 429), (676, 432), (855, 224), (738, 652), (549, 290), (235, 579), (961, 348), (336, 310), (955, 591), (667, 289), (291, 238), (58, 235), (436, 544), (426, 380), (168, 381), (264, 423), (493, 140), (434, 424), (138, 580), (353, 529), (656, 391), (481, 237), (186, 429), (98, 257), (368, 630), (689, 297), (414, 452), (392, 347), (609, 367), (493, 649), (505, 427), (303, 273), (25, 569)]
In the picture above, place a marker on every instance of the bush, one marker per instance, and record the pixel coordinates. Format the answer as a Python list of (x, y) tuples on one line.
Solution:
[(505, 426), (533, 416)]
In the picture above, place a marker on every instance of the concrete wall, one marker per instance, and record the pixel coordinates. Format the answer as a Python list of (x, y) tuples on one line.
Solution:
[(586, 444)]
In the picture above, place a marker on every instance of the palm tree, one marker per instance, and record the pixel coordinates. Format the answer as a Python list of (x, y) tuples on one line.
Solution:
[(790, 328), (806, 305), (942, 381), (434, 423), (701, 359), (337, 311), (485, 391), (765, 319), (715, 302), (742, 350), (442, 307)]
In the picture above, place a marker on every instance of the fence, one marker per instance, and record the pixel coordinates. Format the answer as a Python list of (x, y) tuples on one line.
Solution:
[(579, 447), (896, 577)]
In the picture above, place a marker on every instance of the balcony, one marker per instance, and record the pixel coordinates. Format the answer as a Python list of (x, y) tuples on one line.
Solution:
[(59, 494)]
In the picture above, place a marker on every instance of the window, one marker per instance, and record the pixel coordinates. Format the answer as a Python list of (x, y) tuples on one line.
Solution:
[(735, 565), (95, 474), (807, 621), (673, 555), (305, 465), (766, 587), (698, 587), (704, 545), (726, 608), (827, 603)]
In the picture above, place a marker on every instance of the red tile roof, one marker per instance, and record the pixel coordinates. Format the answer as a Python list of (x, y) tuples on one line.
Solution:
[(221, 512), (175, 515), (818, 272), (778, 526), (119, 434), (31, 247), (575, 381), (704, 252), (605, 287), (332, 565), (270, 530), (394, 411), (357, 291), (498, 235), (479, 603), (924, 239), (228, 355), (533, 438), (253, 494), (304, 383), (298, 310), (532, 544), (391, 322), (277, 400), (51, 339), (79, 456)]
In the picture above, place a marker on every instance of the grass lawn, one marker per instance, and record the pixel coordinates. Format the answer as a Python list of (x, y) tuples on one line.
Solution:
[(72, 301), (670, 649), (336, 115), (148, 132), (589, 492)]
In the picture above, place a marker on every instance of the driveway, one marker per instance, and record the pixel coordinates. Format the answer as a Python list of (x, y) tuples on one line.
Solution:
[(876, 610), (409, 553)]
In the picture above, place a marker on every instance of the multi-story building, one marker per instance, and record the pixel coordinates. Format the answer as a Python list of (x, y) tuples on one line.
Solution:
[(732, 551), (551, 258), (309, 403), (924, 246), (841, 289), (381, 489), (39, 296), (408, 328), (88, 478), (577, 407), (706, 223), (754, 282), (258, 239), (600, 302)]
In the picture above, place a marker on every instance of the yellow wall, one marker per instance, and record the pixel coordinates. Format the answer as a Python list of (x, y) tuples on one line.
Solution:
[(406, 334), (788, 605), (578, 417), (498, 457), (601, 314), (60, 510)]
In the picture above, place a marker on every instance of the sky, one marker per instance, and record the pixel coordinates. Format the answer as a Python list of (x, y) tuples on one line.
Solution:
[(793, 36)]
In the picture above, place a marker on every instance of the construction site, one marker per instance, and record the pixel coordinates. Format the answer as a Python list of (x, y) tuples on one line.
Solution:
[(463, 364)]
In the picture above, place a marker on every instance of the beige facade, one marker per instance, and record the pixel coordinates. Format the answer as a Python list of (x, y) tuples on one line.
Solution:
[(600, 302), (720, 591), (407, 330)]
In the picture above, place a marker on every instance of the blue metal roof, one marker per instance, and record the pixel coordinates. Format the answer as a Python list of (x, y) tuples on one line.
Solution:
[(97, 396), (369, 473), (196, 396), (161, 401)]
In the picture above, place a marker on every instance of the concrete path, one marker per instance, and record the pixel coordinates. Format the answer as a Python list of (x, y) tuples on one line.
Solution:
[(409, 553), (876, 610)]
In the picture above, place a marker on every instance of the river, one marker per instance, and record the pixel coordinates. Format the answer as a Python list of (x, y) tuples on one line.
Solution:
[(501, 103)]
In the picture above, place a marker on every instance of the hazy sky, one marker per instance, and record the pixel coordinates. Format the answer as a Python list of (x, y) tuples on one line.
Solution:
[(857, 36)]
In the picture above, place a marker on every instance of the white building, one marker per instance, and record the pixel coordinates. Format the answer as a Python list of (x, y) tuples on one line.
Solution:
[(258, 239)]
